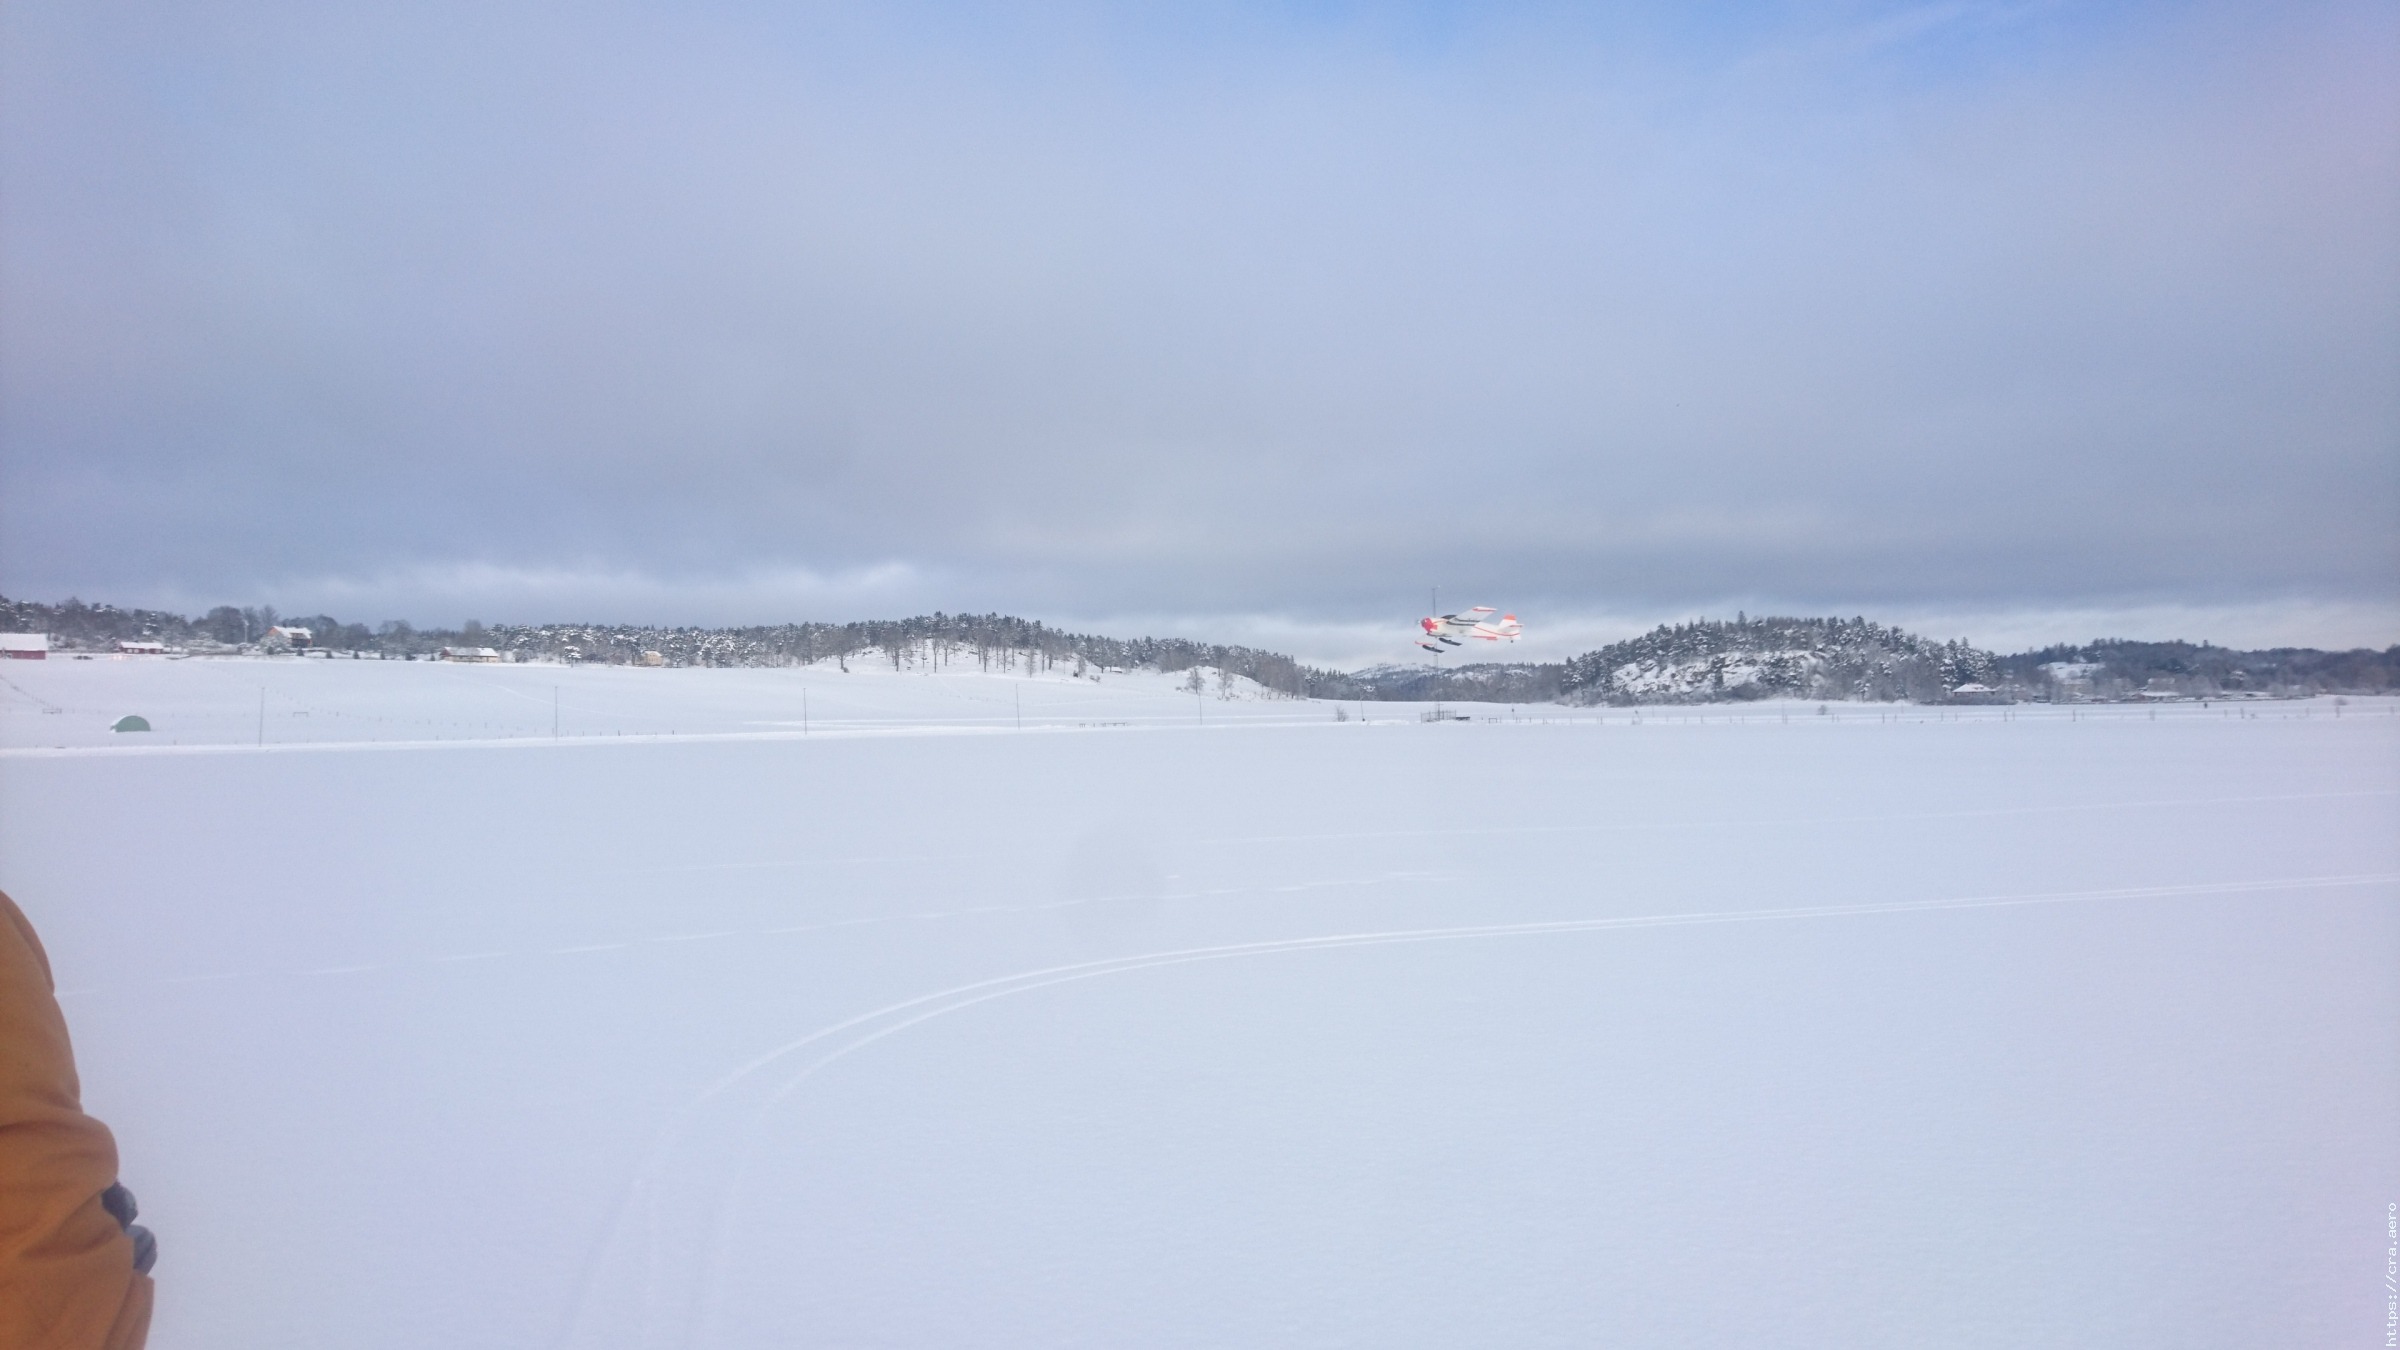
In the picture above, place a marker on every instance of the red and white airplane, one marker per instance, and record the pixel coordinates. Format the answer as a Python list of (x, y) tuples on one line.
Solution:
[(1441, 632)]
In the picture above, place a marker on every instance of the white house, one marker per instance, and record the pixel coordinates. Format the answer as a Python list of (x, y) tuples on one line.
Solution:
[(474, 655)]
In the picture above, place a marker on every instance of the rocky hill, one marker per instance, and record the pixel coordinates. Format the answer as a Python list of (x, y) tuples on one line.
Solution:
[(1710, 661)]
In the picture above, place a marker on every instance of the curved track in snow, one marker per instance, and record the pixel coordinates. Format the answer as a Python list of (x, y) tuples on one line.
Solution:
[(668, 1252)]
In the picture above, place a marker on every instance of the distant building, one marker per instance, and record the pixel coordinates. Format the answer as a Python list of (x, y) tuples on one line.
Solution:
[(140, 647), (25, 646), (470, 655), (285, 638), (2075, 678), (653, 659)]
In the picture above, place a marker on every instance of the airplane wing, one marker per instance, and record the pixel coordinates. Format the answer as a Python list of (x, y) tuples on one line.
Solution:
[(1441, 632)]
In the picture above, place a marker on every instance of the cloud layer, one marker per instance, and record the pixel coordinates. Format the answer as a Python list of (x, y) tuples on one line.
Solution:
[(1258, 311)]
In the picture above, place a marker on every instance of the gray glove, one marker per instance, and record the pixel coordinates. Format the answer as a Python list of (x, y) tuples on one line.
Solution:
[(120, 1206)]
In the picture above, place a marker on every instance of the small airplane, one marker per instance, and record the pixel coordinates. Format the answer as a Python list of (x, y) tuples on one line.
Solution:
[(1441, 632)]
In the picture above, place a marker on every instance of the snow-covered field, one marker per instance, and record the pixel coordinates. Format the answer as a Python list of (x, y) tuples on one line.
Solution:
[(292, 702), (1170, 1021)]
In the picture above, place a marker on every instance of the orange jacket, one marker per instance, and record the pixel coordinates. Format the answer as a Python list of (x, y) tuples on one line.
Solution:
[(67, 1280)]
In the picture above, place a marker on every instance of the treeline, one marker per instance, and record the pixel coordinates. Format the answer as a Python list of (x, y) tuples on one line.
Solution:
[(2115, 668), (993, 641), (1712, 661), (75, 625), (1699, 662), (1472, 682)]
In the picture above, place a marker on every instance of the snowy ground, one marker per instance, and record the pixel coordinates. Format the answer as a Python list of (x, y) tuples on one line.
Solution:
[(1174, 1021), (292, 702)]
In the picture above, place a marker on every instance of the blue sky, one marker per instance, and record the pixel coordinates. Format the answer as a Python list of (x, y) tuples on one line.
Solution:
[(2017, 321)]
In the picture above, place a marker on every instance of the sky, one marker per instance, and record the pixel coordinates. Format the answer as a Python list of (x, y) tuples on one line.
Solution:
[(1248, 322)]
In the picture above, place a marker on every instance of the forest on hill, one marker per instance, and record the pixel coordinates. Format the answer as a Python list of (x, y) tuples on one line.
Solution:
[(1704, 661), (994, 641)]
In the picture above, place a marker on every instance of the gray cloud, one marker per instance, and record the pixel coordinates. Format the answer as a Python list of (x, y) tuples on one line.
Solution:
[(1106, 312)]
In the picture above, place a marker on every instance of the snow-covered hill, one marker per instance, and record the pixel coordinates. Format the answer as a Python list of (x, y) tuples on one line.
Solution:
[(1710, 661)]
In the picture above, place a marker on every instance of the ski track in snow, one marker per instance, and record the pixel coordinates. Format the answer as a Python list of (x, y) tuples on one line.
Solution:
[(691, 1310), (921, 916), (715, 935)]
